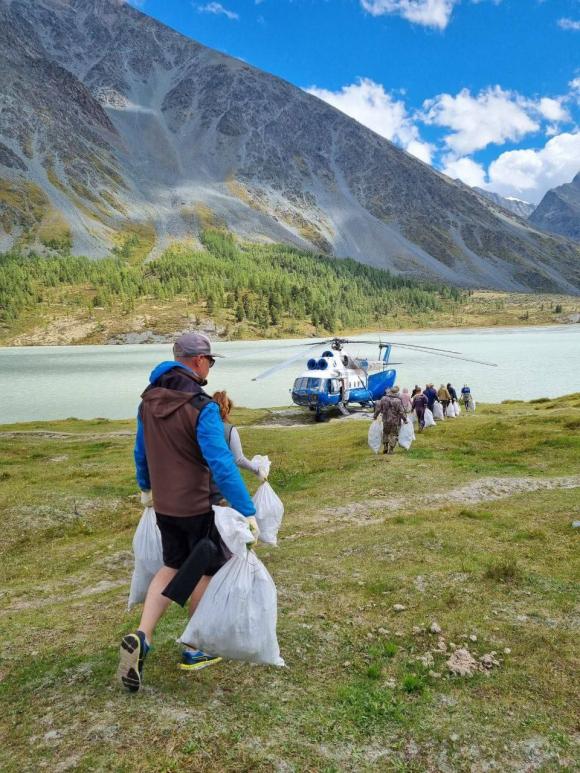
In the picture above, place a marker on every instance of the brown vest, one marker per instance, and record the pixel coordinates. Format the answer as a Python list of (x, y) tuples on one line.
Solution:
[(180, 477)]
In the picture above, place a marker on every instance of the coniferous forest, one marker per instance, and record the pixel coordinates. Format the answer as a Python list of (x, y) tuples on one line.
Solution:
[(259, 284)]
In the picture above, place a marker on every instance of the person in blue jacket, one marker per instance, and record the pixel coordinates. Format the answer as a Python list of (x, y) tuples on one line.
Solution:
[(466, 395), (431, 394), (184, 466)]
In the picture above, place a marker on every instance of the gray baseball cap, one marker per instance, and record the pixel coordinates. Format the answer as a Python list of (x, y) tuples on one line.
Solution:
[(193, 344)]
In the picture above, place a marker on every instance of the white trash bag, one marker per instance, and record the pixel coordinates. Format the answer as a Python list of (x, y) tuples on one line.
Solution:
[(263, 464), (376, 435), (429, 420), (148, 554), (406, 435), (269, 513), (438, 412), (236, 617), (457, 408), (450, 412), (472, 404)]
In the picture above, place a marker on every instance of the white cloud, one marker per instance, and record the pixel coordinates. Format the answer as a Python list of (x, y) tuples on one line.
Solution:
[(493, 116), (428, 13), (569, 24), (368, 103), (466, 169), (553, 109), (421, 150), (217, 8), (530, 173)]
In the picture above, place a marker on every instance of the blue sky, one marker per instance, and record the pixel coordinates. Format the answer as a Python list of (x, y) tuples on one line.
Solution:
[(485, 90)]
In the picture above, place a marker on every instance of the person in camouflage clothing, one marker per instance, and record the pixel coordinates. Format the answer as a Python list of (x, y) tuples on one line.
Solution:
[(391, 407)]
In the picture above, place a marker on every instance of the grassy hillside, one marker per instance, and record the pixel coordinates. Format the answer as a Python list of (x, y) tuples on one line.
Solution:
[(235, 290), (471, 530)]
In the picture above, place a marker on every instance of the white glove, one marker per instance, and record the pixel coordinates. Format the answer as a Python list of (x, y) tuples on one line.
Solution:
[(254, 528), (147, 498)]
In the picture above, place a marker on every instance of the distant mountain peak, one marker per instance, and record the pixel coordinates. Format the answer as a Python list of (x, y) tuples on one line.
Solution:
[(514, 205), (559, 210)]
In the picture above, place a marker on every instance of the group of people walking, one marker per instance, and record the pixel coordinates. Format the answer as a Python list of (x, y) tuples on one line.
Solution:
[(188, 459), (397, 407)]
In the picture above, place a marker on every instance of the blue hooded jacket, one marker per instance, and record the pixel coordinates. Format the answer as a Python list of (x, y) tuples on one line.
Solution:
[(211, 440), (431, 395)]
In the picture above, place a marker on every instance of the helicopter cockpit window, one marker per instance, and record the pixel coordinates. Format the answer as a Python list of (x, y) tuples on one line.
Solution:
[(334, 386), (300, 383), (313, 383)]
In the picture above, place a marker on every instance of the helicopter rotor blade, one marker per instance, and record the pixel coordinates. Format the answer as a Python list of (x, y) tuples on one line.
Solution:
[(406, 346), (303, 347), (287, 362), (320, 342), (461, 357), (467, 359), (440, 352), (352, 363)]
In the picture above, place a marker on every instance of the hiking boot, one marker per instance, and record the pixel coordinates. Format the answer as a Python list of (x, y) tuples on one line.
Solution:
[(132, 653), (195, 661)]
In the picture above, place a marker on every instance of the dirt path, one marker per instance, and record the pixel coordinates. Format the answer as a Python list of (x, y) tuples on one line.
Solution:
[(482, 490), (325, 521), (51, 435)]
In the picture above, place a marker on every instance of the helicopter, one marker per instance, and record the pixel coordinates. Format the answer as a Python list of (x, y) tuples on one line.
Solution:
[(337, 379)]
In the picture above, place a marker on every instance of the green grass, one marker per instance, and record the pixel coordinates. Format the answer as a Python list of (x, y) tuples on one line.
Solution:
[(366, 687)]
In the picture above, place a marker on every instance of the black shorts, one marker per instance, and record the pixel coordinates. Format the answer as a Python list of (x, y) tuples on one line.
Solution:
[(180, 535)]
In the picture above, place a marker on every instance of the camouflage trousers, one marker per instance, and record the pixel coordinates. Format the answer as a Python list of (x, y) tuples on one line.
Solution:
[(390, 437)]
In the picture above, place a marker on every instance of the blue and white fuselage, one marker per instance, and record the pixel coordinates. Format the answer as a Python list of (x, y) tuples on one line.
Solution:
[(337, 378)]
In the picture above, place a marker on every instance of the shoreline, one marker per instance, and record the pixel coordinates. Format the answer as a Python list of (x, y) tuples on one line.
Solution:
[(169, 337), (280, 416)]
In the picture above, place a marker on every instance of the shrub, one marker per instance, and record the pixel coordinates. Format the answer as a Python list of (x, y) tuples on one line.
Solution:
[(503, 571)]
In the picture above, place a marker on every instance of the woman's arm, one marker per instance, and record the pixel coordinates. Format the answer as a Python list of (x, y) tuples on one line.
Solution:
[(238, 453)]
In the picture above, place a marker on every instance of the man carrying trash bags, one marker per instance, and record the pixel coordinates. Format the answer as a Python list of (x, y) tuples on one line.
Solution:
[(182, 460), (393, 413)]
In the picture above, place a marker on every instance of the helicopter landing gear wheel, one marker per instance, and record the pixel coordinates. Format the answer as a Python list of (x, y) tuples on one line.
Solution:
[(320, 416)]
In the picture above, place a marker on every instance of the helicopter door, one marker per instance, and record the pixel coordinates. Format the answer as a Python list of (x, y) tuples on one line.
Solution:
[(344, 390)]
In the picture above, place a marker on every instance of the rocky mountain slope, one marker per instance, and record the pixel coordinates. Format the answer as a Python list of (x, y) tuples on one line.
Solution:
[(515, 206), (559, 210), (114, 127)]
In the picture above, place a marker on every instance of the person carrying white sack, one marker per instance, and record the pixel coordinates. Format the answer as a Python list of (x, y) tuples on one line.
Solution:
[(180, 449), (233, 439), (269, 507), (237, 615)]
